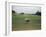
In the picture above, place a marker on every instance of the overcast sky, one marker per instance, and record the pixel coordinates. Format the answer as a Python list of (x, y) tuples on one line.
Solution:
[(26, 9)]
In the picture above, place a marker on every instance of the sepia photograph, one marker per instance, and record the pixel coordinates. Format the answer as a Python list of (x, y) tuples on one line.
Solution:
[(26, 18)]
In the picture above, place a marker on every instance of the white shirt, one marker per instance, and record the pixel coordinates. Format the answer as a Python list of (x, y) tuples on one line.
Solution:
[(27, 19)]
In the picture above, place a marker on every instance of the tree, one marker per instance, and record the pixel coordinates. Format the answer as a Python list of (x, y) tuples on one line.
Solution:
[(38, 13), (13, 12)]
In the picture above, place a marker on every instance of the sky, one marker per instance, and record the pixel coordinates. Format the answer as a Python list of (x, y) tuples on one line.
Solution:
[(26, 9)]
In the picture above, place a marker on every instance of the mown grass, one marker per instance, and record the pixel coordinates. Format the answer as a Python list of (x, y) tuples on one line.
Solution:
[(18, 22)]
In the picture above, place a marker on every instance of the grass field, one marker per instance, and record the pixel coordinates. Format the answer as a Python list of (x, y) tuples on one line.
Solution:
[(18, 22)]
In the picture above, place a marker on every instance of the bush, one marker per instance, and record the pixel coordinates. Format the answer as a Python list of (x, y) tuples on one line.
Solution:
[(22, 13)]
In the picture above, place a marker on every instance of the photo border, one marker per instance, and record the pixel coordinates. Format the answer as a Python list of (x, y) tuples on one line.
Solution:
[(7, 15)]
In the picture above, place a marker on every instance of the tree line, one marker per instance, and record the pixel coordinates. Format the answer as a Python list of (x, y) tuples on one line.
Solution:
[(37, 13)]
